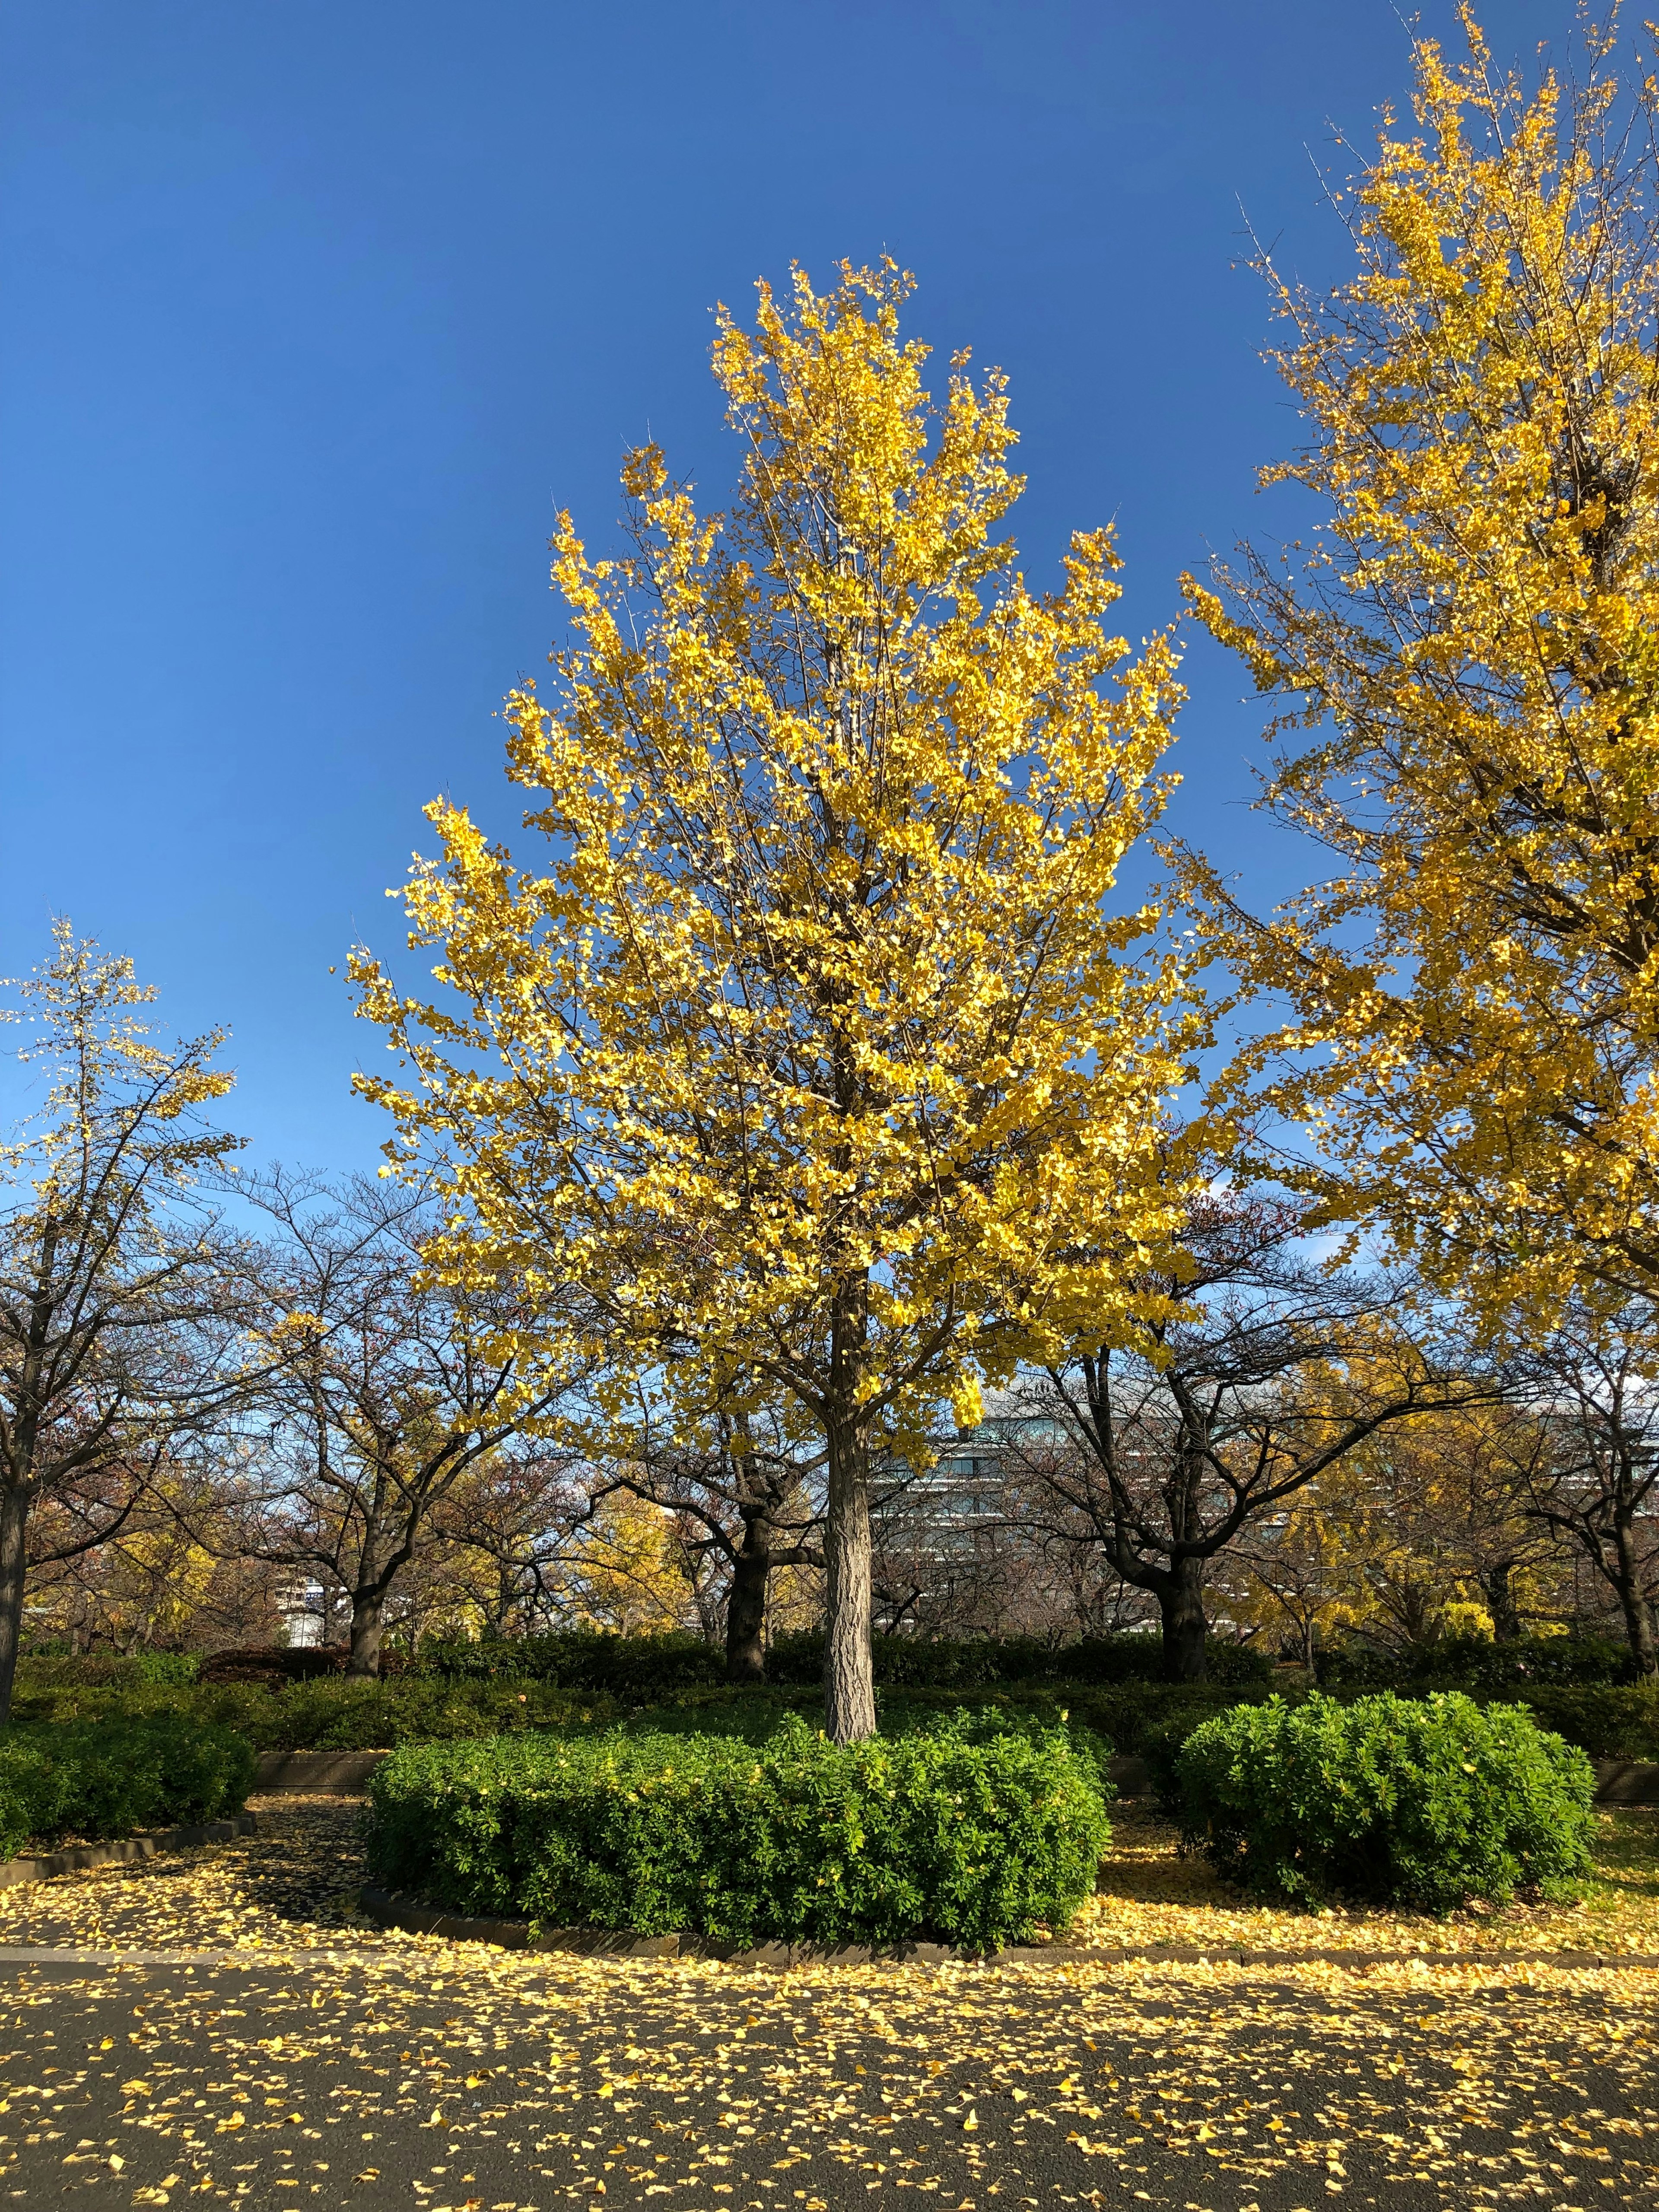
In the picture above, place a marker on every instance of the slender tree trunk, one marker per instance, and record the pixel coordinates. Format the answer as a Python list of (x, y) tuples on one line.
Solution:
[(1639, 1615), (14, 1522), (1181, 1606), (849, 1686), (746, 1603)]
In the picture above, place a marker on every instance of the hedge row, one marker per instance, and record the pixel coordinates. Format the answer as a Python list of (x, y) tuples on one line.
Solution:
[(1476, 1664), (108, 1777), (327, 1715), (1148, 1720), (977, 1827), (640, 1669), (972, 1832), (654, 1666)]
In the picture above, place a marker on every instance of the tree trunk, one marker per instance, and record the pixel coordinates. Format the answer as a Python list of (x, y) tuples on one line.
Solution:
[(1633, 1599), (364, 1663), (1500, 1602), (849, 1686), (746, 1603), (14, 1522), (1181, 1605)]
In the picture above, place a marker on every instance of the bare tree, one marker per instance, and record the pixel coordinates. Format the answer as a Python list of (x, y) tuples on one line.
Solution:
[(113, 1338), (386, 1388), (515, 1508), (1596, 1394), (1258, 1372), (744, 1491)]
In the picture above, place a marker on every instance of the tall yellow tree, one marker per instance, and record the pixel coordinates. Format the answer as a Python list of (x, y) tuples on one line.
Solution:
[(813, 1051), (1471, 633)]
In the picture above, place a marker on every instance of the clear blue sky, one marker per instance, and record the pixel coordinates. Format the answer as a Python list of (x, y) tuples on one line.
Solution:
[(315, 312)]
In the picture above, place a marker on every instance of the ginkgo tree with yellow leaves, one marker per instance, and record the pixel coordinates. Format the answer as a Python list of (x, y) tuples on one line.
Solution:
[(813, 1050), (1471, 633)]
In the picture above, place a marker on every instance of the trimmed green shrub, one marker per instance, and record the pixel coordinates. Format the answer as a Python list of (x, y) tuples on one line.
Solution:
[(917, 1663), (974, 1832), (1388, 1800), (107, 1669), (108, 1777), (1608, 1721), (1476, 1664), (342, 1716), (329, 1714), (626, 1667)]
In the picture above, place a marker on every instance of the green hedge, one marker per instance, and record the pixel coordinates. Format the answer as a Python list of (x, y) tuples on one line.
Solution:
[(1478, 1665), (973, 1832), (329, 1714), (640, 1667), (107, 1669), (1388, 1800), (1605, 1721), (650, 1667), (108, 1777), (918, 1662), (1150, 1720)]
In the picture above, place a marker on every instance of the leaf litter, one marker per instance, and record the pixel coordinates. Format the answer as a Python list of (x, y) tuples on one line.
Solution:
[(460, 2078)]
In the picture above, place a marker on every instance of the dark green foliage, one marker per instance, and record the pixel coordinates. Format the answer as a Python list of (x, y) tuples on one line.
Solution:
[(107, 1669), (328, 1714), (973, 1831), (914, 1663), (1608, 1721), (107, 1777), (343, 1715), (1478, 1665), (272, 1665), (1148, 1720), (1141, 1716), (1388, 1800), (635, 1668), (642, 1668)]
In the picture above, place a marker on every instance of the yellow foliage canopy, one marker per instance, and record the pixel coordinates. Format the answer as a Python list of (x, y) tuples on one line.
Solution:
[(1475, 634), (813, 1052), (818, 984)]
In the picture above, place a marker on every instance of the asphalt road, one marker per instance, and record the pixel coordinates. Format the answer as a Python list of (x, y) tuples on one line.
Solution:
[(509, 2087)]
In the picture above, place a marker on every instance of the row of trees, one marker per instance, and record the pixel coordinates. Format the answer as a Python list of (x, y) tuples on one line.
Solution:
[(811, 1078), (253, 1388)]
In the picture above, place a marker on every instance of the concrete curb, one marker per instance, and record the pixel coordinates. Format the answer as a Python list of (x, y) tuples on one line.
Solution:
[(80, 1857), (1627, 1781), (409, 1913)]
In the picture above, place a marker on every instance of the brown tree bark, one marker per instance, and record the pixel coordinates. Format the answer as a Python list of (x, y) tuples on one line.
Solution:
[(849, 1686), (14, 1520), (746, 1603), (1499, 1589), (363, 1663), (1186, 1631), (1632, 1597)]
